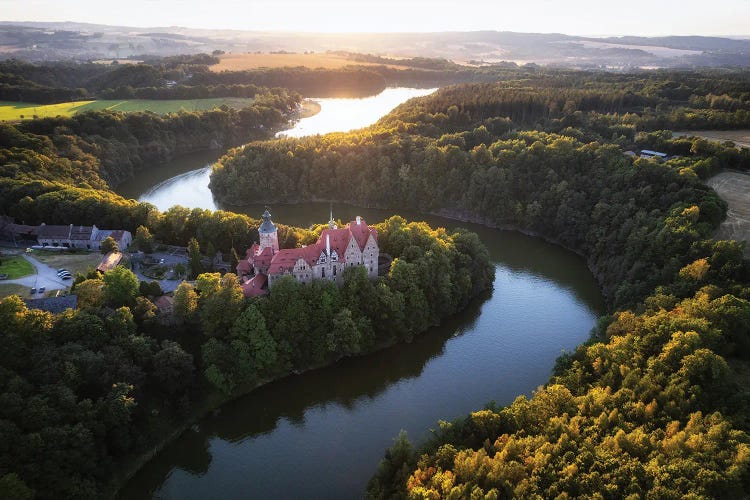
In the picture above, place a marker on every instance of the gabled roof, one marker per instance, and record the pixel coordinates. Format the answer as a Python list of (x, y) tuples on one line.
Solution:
[(81, 233), (54, 232), (339, 239), (164, 302), (109, 262), (255, 286), (54, 305)]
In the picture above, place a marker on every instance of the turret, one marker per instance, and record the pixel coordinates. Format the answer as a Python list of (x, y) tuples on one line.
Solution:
[(268, 234), (331, 222)]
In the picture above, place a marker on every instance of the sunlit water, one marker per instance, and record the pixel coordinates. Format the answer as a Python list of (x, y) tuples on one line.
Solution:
[(164, 189)]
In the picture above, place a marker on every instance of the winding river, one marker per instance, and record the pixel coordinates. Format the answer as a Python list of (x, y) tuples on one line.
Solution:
[(321, 434)]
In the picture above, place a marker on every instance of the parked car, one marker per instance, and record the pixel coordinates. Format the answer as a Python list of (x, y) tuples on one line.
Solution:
[(33, 291), (62, 271), (42, 289), (66, 276)]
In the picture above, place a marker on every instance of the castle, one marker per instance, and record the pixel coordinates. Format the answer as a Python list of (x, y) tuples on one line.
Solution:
[(336, 249)]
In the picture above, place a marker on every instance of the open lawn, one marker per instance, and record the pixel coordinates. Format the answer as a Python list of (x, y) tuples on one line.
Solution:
[(741, 138), (73, 262), (12, 289), (734, 188), (15, 267), (239, 62), (11, 111)]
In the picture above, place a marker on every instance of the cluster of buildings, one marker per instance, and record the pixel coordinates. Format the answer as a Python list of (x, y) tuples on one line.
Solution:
[(70, 236), (336, 249)]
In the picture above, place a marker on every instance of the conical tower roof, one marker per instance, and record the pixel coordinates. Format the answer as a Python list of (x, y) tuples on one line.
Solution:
[(267, 226)]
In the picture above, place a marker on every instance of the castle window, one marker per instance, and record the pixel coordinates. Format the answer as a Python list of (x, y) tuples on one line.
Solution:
[(334, 270), (323, 272)]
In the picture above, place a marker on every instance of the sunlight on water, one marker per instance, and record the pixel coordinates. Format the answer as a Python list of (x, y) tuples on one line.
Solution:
[(190, 189), (342, 115)]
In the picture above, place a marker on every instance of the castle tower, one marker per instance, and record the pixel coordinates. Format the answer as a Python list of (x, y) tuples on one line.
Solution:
[(268, 234)]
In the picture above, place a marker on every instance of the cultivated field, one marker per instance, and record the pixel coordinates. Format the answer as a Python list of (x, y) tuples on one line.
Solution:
[(734, 188), (23, 110), (741, 138), (239, 62)]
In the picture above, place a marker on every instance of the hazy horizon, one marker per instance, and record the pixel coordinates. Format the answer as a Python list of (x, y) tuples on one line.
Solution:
[(726, 18)]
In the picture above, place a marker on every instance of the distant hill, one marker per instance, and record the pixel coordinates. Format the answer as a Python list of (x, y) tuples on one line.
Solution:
[(81, 41)]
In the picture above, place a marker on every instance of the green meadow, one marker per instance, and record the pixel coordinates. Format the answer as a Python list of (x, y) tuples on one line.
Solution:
[(12, 111)]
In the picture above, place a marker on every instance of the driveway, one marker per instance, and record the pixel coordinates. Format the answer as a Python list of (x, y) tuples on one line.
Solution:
[(45, 276)]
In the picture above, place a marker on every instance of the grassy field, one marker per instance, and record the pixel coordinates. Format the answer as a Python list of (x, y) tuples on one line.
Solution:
[(734, 188), (6, 290), (75, 262), (741, 138), (11, 111), (15, 267), (239, 62)]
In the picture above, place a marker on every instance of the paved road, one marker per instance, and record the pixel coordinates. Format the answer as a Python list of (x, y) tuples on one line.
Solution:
[(45, 276)]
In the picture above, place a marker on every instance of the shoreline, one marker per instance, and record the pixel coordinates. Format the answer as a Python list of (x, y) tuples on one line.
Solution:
[(214, 400), (308, 108)]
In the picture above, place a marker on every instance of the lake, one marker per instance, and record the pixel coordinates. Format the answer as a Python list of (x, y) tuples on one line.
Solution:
[(321, 434)]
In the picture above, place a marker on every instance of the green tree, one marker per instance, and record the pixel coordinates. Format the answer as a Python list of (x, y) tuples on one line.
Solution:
[(250, 328), (185, 302), (109, 245), (173, 368), (90, 293), (143, 240), (13, 488), (220, 303), (344, 338), (120, 286), (194, 258)]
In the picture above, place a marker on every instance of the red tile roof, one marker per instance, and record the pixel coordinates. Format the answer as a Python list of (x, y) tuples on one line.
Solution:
[(255, 286), (361, 232), (285, 260), (339, 241), (243, 266)]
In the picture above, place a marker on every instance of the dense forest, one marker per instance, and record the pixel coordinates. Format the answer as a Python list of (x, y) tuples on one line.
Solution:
[(189, 77), (546, 157), (654, 405), (89, 388), (99, 149)]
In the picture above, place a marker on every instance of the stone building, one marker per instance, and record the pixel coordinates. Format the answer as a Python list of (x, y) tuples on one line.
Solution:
[(336, 249), (65, 236)]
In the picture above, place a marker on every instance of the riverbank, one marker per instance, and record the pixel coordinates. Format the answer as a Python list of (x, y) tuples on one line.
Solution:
[(308, 108), (212, 400)]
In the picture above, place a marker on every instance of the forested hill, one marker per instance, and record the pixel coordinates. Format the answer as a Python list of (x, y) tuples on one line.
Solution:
[(544, 155), (103, 148), (654, 405)]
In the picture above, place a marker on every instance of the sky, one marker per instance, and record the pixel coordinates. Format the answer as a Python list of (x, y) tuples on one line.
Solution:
[(572, 17)]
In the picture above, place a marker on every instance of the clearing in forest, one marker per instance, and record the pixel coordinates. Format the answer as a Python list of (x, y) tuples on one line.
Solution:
[(741, 138), (734, 188)]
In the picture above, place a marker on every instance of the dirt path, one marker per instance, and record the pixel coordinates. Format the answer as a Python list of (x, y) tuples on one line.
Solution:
[(734, 188)]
